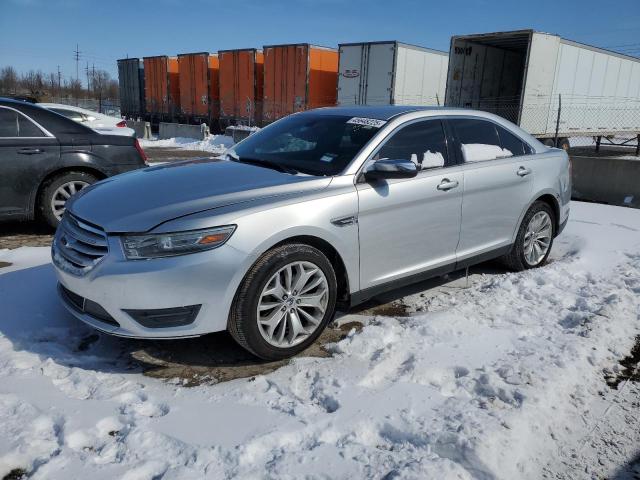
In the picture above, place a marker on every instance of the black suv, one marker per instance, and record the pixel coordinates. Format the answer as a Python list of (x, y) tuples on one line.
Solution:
[(45, 158)]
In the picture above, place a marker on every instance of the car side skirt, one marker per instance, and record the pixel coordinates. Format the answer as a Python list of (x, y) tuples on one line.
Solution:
[(362, 296)]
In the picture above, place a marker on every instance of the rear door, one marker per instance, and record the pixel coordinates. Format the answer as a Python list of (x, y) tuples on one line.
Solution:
[(350, 74), (498, 181), (409, 226), (25, 152)]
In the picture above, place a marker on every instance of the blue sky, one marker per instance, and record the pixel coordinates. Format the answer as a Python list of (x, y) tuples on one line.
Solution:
[(42, 34)]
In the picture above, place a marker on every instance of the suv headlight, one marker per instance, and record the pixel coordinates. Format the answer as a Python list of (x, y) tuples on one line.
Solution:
[(176, 243)]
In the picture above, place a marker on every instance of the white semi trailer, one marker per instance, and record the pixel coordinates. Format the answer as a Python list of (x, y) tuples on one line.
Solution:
[(526, 76), (391, 73)]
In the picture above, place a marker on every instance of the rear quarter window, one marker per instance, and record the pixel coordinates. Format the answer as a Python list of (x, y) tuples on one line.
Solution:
[(512, 143)]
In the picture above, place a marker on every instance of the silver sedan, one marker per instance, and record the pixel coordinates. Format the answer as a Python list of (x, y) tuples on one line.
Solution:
[(320, 210)]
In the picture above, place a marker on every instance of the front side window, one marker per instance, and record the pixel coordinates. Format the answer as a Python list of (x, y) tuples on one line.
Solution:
[(424, 143), (310, 143), (479, 140)]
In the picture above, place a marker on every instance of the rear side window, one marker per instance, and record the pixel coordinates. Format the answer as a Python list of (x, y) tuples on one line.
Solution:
[(13, 124), (512, 143), (424, 143), (479, 140), (8, 123), (26, 128)]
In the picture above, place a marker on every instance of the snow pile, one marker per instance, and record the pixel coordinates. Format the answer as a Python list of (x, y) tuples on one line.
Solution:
[(479, 152), (489, 381), (217, 144)]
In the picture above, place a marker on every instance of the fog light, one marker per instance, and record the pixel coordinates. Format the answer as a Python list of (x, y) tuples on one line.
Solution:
[(165, 317)]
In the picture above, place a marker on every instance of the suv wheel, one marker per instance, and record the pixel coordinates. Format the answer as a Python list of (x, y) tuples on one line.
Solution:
[(534, 239), (58, 190), (284, 302)]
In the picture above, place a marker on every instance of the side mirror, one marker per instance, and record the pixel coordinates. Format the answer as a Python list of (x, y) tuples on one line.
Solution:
[(389, 168)]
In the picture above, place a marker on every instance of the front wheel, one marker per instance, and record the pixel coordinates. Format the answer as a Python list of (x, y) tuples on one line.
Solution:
[(284, 302), (534, 240)]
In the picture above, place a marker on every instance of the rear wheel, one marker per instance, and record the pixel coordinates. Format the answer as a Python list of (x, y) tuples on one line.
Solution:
[(284, 302), (534, 240), (58, 191)]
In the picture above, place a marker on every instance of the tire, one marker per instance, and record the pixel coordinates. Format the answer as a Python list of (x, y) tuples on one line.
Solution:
[(517, 259), (549, 142), (270, 271), (564, 144), (55, 189)]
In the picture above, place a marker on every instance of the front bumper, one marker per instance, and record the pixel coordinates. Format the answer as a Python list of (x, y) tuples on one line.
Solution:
[(206, 279)]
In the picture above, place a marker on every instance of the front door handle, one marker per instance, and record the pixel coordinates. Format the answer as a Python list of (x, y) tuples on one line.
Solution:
[(30, 151), (523, 172), (447, 184)]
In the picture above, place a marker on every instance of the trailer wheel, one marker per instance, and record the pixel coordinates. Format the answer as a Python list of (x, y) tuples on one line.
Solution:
[(549, 142), (563, 143)]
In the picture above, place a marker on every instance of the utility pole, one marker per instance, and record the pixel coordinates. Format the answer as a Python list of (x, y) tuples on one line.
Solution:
[(88, 81), (77, 58)]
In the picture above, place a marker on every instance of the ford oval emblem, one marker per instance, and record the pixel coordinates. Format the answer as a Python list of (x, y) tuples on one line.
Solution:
[(351, 73)]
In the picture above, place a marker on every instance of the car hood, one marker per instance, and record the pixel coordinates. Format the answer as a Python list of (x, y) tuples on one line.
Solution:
[(141, 200)]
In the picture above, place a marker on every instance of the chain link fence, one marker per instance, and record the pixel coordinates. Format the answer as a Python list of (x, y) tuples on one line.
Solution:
[(106, 106)]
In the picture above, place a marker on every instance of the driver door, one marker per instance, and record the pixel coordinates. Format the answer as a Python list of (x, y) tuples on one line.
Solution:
[(410, 226)]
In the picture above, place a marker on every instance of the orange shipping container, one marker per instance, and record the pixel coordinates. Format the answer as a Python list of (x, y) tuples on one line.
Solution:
[(199, 90), (298, 77), (241, 84), (161, 85)]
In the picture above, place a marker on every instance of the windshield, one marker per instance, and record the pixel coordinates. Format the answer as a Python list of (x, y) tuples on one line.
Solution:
[(310, 143)]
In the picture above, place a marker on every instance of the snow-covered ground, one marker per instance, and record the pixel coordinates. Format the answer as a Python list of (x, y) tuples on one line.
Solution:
[(216, 144), (501, 378)]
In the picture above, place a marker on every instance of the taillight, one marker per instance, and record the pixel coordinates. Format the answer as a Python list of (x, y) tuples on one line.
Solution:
[(121, 124), (141, 152)]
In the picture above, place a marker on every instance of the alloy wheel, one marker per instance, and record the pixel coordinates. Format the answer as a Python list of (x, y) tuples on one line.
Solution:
[(62, 194), (292, 304), (537, 238)]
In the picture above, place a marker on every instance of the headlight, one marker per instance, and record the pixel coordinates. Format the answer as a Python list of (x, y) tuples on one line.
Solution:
[(177, 243)]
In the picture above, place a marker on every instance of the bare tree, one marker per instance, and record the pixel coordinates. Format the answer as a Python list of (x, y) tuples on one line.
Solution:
[(52, 84), (33, 82), (8, 80)]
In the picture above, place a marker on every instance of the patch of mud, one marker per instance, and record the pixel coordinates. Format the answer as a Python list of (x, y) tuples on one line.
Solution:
[(217, 358), (15, 474), (87, 341), (392, 309), (629, 368), (5, 264)]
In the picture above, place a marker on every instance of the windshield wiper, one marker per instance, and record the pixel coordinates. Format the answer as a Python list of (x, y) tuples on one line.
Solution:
[(264, 163)]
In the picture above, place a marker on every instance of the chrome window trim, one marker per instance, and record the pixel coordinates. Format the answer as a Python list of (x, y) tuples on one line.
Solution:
[(46, 132), (355, 166)]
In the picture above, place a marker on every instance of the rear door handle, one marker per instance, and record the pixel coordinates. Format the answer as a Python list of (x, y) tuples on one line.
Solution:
[(523, 172), (447, 184), (30, 151)]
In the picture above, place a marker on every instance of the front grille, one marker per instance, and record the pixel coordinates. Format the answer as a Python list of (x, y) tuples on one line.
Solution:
[(87, 306), (79, 245)]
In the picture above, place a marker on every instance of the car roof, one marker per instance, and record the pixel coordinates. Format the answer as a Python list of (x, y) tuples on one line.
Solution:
[(51, 121), (379, 112)]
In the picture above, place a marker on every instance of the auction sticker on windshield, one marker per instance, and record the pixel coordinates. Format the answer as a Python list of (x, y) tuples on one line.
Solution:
[(370, 122)]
